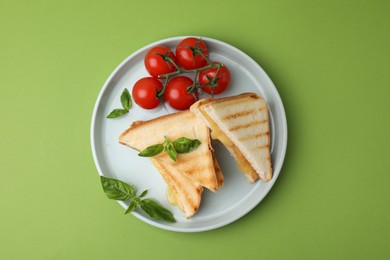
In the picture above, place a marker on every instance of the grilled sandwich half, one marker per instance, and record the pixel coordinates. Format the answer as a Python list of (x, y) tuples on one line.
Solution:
[(192, 171), (241, 123)]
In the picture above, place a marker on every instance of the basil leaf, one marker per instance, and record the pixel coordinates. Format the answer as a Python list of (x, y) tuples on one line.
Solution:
[(143, 193), (185, 145), (168, 147), (117, 113), (152, 150), (126, 99), (155, 211), (116, 189), (131, 207)]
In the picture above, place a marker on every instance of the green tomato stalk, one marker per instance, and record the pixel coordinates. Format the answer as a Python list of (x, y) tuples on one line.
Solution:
[(179, 70)]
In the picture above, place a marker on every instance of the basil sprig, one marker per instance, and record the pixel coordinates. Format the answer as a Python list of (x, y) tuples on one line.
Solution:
[(180, 145), (119, 190), (126, 105)]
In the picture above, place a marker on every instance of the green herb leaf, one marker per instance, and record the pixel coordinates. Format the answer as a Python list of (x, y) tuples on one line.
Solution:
[(119, 190), (185, 145), (126, 104), (152, 150), (116, 189), (117, 113), (131, 207), (143, 193), (155, 211), (126, 100), (180, 145), (168, 147)]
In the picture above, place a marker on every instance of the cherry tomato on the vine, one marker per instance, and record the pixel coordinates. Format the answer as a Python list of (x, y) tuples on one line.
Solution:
[(176, 93), (145, 92), (188, 53), (157, 61), (215, 83)]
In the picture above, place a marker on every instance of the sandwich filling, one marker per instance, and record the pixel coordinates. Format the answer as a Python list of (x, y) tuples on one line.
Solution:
[(171, 197)]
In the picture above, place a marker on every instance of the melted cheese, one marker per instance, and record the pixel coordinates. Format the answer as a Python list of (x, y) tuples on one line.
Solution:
[(242, 163), (171, 196)]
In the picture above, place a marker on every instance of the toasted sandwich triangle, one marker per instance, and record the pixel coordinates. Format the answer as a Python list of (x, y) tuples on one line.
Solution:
[(241, 123), (198, 164), (186, 176)]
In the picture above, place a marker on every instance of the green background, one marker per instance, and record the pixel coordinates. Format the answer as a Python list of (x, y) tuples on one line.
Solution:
[(329, 61)]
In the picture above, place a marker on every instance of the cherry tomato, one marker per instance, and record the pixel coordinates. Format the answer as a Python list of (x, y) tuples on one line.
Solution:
[(145, 92), (188, 53), (157, 61), (213, 82), (176, 94)]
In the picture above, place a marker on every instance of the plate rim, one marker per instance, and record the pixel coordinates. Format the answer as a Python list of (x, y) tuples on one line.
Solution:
[(284, 139)]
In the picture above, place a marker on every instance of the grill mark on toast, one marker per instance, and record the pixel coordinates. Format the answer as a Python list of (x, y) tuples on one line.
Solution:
[(187, 195), (247, 125), (231, 101), (243, 113), (200, 164), (253, 136), (261, 147), (196, 169), (184, 192), (196, 173)]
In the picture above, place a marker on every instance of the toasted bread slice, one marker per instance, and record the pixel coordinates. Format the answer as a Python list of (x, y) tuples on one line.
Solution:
[(182, 190), (198, 164), (241, 123), (187, 194)]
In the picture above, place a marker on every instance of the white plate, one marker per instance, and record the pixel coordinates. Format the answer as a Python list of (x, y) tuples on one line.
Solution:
[(232, 201)]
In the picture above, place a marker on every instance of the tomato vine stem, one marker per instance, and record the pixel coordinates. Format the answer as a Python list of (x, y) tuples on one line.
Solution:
[(180, 70)]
